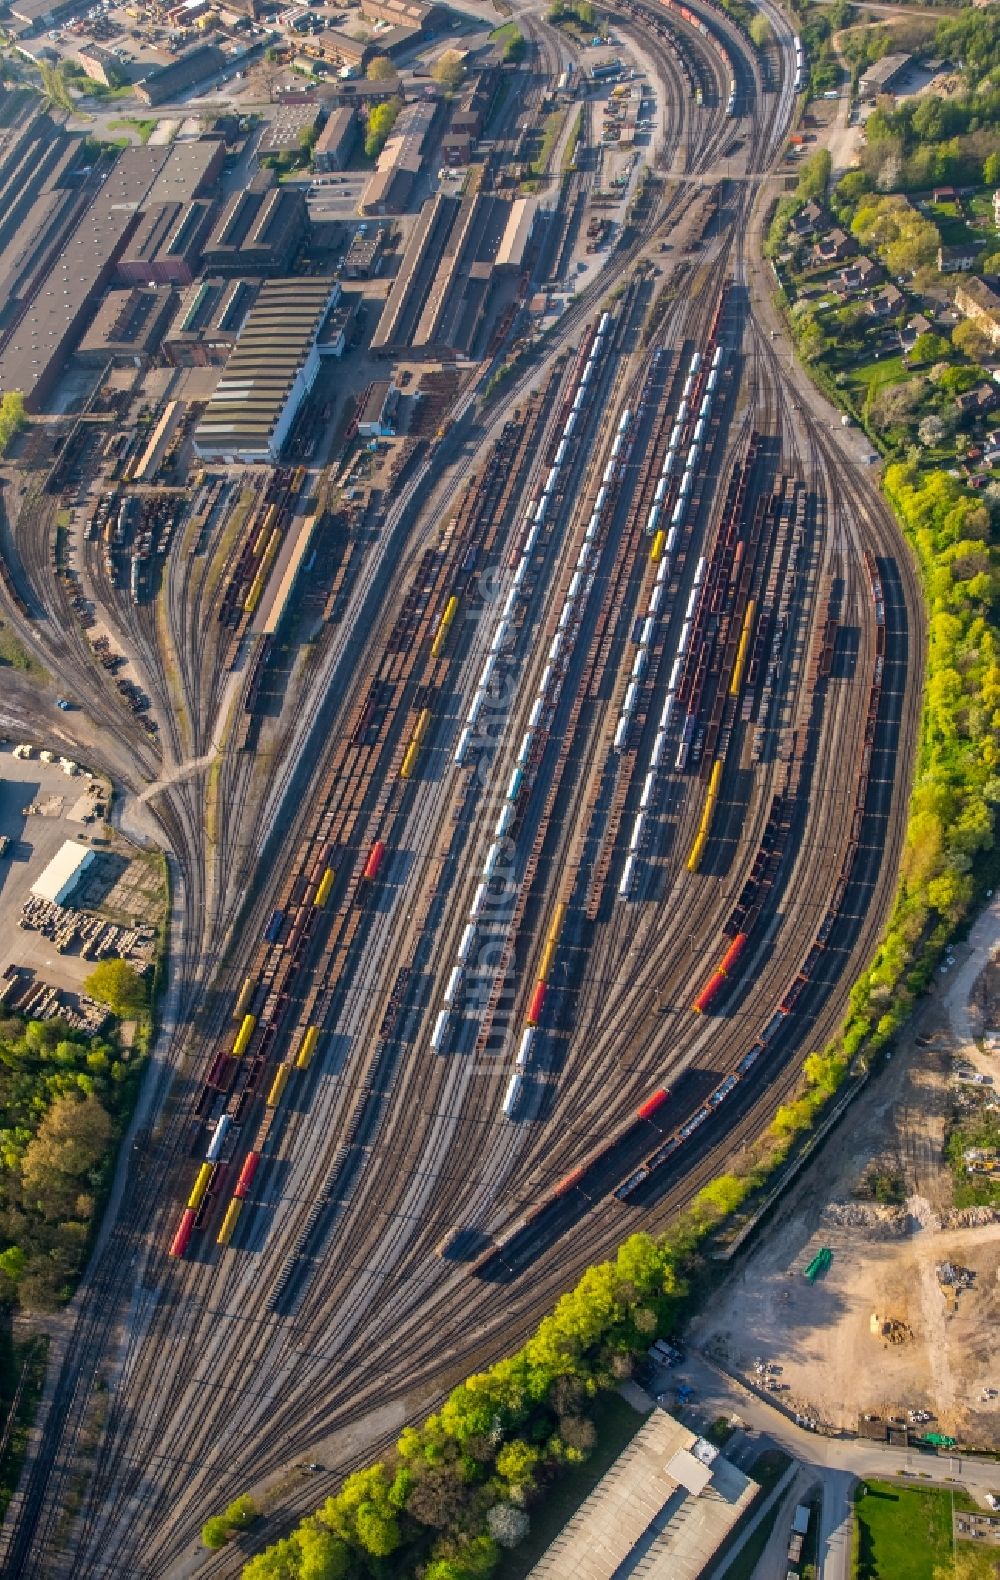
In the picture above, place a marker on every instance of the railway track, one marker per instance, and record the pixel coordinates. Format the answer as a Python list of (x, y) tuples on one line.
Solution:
[(207, 1388)]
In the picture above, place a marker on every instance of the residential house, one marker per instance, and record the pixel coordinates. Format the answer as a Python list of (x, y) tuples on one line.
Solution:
[(976, 403), (837, 245), (809, 219), (958, 260), (978, 301), (888, 301), (918, 325), (859, 274), (996, 208)]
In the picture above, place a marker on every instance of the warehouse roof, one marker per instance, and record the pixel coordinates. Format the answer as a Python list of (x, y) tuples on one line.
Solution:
[(190, 167), (274, 344), (660, 1507), (57, 880), (517, 233), (79, 270)]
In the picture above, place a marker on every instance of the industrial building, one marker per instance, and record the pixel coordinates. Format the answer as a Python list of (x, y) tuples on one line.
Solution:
[(190, 70), (440, 296), (100, 65), (206, 325), (63, 302), (662, 1510), (284, 132), (128, 327), (377, 417), (43, 13), (192, 169), (400, 161), (364, 255), (57, 881), (269, 373), (407, 13), (166, 247), (884, 75), (258, 232), (39, 202), (517, 234), (336, 141)]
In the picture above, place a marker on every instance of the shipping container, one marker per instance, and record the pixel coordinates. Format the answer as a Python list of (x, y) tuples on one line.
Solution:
[(200, 1186), (249, 1169), (179, 1243), (537, 1004), (278, 1085), (374, 861), (218, 1137), (307, 1048), (243, 1036), (230, 1221)]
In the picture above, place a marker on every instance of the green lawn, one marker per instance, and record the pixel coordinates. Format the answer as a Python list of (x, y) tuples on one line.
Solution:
[(887, 370), (904, 1533), (616, 1423)]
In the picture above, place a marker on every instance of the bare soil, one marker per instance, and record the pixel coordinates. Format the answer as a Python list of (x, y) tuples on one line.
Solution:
[(828, 1340)]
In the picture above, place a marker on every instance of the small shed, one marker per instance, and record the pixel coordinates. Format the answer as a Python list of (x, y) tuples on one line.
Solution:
[(58, 880)]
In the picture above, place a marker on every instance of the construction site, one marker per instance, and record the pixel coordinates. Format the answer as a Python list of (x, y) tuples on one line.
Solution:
[(871, 1302)]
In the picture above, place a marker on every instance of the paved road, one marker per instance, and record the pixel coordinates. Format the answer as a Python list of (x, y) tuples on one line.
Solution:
[(836, 1462)]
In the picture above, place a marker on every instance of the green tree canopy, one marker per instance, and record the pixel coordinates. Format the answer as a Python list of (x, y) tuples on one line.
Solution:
[(115, 983)]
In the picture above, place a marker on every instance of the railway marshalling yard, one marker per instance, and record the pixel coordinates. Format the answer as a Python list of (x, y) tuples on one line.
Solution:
[(617, 682)]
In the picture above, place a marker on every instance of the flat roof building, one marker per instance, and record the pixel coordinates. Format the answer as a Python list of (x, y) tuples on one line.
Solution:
[(258, 232), (336, 141), (206, 325), (284, 132), (166, 246), (129, 326), (36, 352), (268, 374), (662, 1510), (58, 880), (192, 169)]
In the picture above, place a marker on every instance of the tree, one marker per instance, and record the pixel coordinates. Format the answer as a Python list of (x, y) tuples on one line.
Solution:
[(929, 347), (377, 1531), (578, 1432), (448, 70), (381, 120), (968, 338), (508, 1524), (115, 983), (814, 178), (55, 93), (991, 170), (380, 69), (12, 417), (517, 1462), (760, 30), (71, 1140), (215, 1532), (931, 430)]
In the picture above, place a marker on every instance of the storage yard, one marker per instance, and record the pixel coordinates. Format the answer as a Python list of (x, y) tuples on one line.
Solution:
[(467, 601)]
